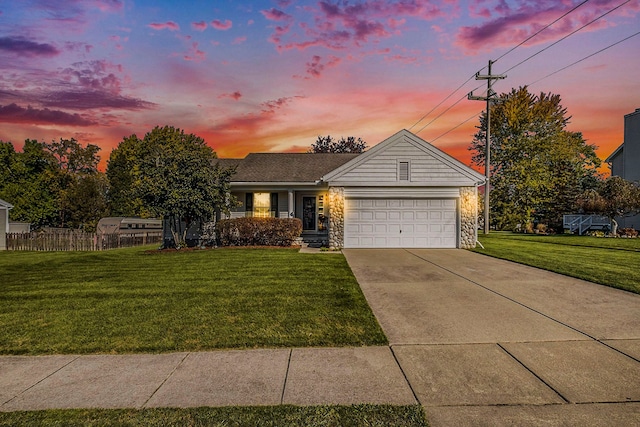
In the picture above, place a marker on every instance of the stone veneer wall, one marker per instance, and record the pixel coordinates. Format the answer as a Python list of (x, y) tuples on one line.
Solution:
[(468, 217), (336, 217)]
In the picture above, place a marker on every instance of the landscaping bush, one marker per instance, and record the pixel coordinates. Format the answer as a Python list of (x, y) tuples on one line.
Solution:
[(250, 231), (627, 232)]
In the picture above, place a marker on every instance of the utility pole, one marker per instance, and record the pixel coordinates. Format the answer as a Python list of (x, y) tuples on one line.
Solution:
[(487, 160)]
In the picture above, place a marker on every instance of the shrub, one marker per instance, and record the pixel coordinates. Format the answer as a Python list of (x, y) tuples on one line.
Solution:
[(541, 229), (250, 231), (627, 232)]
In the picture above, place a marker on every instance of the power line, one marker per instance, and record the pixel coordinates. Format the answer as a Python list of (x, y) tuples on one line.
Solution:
[(482, 69), (454, 128), (448, 108), (568, 35), (538, 32), (548, 75), (520, 63), (585, 58), (443, 101)]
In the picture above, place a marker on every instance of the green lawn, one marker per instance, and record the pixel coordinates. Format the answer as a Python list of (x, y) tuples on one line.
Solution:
[(127, 301), (608, 261), (357, 415)]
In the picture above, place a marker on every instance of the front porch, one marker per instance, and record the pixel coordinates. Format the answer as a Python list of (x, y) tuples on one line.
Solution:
[(310, 205)]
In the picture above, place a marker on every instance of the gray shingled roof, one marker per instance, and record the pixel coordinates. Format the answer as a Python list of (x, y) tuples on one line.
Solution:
[(285, 167)]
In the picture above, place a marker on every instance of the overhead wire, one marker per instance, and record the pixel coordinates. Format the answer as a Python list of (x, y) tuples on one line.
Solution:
[(549, 75), (482, 69), (444, 100), (567, 36), (447, 109), (539, 31), (520, 63), (455, 127), (585, 58)]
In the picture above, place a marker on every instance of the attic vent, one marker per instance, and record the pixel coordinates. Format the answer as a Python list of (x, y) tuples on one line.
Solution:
[(403, 171)]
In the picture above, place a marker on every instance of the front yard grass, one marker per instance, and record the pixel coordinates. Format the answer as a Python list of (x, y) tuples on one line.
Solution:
[(609, 261), (132, 301), (285, 415)]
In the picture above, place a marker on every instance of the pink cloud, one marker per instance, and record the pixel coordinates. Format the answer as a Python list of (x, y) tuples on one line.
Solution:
[(276, 104), (239, 40), (235, 95), (23, 47), (222, 26), (340, 25), (199, 26), (274, 14), (508, 24), (195, 54), (316, 66), (169, 25), (13, 113)]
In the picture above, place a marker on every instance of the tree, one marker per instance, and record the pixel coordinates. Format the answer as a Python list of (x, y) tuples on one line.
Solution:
[(54, 185), (170, 174), (326, 144), (614, 197), (30, 182), (538, 168), (82, 188)]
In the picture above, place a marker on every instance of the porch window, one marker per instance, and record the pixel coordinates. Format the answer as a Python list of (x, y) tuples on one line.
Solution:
[(261, 205)]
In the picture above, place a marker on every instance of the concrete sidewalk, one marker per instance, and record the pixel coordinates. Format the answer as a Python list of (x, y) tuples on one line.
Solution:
[(300, 376)]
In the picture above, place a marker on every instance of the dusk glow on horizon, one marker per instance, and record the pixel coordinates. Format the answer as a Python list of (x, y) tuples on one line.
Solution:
[(270, 76)]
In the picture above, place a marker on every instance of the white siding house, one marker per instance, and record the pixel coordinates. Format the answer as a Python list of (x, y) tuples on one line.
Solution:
[(402, 193)]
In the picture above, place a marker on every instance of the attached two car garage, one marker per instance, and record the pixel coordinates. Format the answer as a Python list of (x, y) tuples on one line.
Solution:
[(404, 193), (400, 223)]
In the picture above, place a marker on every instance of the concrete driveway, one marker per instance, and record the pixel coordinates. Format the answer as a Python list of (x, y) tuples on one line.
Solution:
[(484, 341)]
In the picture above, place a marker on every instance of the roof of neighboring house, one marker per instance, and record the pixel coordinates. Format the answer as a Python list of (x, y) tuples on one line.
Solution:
[(615, 153), (5, 204), (285, 167)]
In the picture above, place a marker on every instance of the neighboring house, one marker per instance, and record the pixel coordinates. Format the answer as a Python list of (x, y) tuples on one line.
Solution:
[(402, 193), (4, 223), (625, 159), (128, 225), (19, 227)]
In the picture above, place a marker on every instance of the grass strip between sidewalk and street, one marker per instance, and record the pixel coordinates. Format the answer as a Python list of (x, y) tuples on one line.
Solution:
[(608, 261), (285, 415), (136, 301)]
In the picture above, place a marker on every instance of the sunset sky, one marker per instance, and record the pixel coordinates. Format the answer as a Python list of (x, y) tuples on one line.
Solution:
[(258, 76)]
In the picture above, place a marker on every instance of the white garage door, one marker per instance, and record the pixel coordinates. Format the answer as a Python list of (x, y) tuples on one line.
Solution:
[(400, 223)]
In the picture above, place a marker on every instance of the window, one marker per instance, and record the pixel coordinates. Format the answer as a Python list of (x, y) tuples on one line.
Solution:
[(403, 171), (261, 205)]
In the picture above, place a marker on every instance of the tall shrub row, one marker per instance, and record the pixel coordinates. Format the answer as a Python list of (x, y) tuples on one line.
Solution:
[(249, 231)]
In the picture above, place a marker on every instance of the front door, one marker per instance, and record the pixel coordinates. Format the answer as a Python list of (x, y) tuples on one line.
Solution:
[(309, 213)]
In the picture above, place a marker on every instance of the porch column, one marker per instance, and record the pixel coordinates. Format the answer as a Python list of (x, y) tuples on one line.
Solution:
[(291, 206)]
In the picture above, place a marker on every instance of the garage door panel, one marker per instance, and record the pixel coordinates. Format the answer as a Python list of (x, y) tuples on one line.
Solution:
[(367, 228), (389, 223), (381, 215)]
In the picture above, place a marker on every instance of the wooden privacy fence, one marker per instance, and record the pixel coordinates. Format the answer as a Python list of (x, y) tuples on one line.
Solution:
[(76, 240)]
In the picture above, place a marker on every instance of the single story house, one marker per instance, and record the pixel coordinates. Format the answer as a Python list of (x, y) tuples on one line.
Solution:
[(402, 193), (4, 223)]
